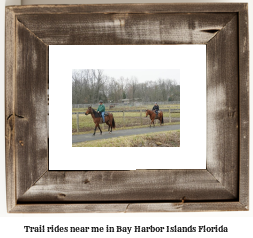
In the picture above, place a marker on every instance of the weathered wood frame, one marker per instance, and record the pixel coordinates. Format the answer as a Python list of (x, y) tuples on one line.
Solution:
[(223, 186)]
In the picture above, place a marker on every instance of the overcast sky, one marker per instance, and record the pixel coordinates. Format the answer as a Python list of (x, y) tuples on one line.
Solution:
[(145, 74)]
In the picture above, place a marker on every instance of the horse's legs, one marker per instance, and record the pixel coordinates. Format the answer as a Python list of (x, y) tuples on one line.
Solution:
[(108, 123), (153, 123), (111, 127), (100, 129), (95, 130)]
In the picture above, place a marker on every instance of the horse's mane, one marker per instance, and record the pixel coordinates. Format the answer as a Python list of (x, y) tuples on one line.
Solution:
[(149, 110), (95, 113)]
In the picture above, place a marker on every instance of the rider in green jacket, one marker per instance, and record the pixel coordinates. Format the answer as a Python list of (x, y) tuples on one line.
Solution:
[(101, 109)]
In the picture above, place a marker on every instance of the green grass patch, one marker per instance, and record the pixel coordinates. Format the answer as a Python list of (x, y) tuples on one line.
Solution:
[(155, 139), (130, 120)]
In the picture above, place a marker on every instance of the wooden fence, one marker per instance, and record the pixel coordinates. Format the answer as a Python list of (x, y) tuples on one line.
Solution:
[(131, 104), (141, 116)]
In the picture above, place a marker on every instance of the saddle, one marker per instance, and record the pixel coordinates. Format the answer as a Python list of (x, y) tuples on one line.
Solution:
[(100, 115), (156, 115), (101, 119), (106, 114)]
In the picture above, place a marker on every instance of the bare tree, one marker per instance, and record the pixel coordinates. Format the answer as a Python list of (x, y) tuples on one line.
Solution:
[(133, 86), (91, 85)]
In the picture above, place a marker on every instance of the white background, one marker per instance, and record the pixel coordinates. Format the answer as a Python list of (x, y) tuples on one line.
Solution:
[(239, 223), (191, 60)]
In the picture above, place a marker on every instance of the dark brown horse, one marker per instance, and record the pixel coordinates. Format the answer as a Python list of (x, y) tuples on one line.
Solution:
[(109, 120), (153, 116)]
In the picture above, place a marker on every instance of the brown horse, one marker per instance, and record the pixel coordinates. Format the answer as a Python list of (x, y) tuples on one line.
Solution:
[(153, 116), (109, 120)]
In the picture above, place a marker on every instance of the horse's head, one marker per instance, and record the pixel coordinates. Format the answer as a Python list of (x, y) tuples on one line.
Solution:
[(147, 112), (89, 110)]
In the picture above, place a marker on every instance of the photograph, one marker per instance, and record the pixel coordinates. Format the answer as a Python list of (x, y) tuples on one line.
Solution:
[(126, 108), (127, 100)]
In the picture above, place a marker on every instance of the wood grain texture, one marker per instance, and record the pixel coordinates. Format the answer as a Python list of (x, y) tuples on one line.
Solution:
[(30, 108), (244, 106), (120, 29), (140, 185), (222, 107), (128, 8), (129, 207), (186, 207), (10, 64)]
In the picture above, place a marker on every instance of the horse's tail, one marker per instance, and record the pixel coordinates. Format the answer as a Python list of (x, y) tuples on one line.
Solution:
[(162, 118), (113, 123)]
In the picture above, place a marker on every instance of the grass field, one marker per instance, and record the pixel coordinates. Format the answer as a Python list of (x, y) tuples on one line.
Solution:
[(158, 139), (132, 119)]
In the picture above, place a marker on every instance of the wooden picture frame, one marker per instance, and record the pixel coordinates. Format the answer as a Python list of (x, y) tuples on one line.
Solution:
[(222, 186)]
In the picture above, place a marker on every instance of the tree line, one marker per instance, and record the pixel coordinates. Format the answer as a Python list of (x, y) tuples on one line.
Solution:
[(92, 85)]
